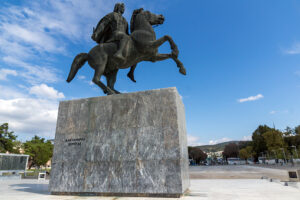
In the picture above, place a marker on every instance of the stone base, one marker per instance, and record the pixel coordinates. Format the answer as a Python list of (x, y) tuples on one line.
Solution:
[(118, 194), (131, 144)]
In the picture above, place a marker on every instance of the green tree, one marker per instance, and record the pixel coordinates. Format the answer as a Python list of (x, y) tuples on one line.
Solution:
[(40, 151), (276, 143), (258, 141), (246, 152), (196, 154), (244, 144), (18, 146), (231, 150), (7, 140), (288, 131), (292, 140), (297, 130), (274, 139)]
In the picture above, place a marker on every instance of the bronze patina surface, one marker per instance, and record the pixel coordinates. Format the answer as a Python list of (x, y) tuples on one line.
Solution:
[(117, 49)]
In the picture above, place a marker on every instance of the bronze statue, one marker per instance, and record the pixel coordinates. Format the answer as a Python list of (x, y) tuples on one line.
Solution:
[(113, 27), (118, 50)]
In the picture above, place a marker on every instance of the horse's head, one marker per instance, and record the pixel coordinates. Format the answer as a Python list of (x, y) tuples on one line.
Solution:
[(151, 18), (154, 19)]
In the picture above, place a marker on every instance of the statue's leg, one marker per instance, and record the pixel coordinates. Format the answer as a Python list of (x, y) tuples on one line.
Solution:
[(123, 42), (179, 65), (131, 73), (160, 57), (111, 80), (98, 73), (174, 47)]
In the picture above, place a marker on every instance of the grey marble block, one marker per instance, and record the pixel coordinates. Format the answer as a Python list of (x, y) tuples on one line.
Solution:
[(132, 144)]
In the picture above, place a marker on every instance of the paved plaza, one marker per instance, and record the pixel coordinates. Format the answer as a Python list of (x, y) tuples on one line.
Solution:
[(236, 172), (232, 187), (215, 189)]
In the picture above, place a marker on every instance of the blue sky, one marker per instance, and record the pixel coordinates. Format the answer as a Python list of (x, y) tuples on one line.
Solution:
[(242, 60)]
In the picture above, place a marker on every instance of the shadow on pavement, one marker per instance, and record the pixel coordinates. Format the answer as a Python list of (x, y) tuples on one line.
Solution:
[(39, 188)]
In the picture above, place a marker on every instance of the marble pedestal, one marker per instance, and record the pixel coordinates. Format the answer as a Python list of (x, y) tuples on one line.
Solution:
[(132, 144)]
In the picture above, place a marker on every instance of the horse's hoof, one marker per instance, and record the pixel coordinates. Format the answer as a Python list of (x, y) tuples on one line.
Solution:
[(110, 91), (131, 77), (182, 71), (117, 92)]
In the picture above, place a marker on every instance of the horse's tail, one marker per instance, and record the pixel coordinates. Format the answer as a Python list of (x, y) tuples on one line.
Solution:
[(78, 62)]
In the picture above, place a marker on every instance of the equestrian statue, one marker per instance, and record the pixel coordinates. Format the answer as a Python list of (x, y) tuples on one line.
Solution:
[(116, 49)]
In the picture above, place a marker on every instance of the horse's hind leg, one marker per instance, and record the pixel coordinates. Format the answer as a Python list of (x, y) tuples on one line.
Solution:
[(111, 80), (96, 79)]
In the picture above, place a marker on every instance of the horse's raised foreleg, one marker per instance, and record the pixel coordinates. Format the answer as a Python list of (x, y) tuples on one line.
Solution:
[(179, 64), (160, 41), (160, 57)]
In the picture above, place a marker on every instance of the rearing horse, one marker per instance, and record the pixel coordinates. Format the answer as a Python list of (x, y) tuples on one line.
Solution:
[(142, 46)]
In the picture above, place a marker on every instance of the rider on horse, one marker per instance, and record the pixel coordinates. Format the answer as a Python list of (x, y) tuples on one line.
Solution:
[(142, 46), (114, 27)]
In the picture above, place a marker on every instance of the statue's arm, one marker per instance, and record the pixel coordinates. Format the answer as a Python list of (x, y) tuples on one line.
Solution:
[(104, 22)]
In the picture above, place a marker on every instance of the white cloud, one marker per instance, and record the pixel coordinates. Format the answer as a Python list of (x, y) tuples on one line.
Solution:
[(29, 116), (5, 72), (251, 98), (225, 139), (247, 138), (15, 49), (193, 140), (279, 112), (9, 93), (38, 40), (285, 111), (295, 49), (81, 77), (44, 91), (43, 25), (32, 73), (35, 32)]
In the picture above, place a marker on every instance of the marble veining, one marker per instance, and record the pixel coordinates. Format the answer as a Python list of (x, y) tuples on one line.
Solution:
[(132, 143)]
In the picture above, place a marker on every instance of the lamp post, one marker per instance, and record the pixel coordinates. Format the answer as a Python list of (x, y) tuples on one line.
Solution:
[(283, 154), (276, 157), (275, 154), (263, 157)]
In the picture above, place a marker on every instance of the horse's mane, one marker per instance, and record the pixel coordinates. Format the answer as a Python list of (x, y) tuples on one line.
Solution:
[(134, 14)]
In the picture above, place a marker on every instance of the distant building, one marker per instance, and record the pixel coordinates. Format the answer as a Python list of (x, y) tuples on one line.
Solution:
[(235, 161)]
